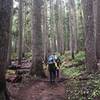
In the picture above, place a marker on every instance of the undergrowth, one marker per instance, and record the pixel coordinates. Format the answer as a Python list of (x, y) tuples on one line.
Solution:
[(80, 85)]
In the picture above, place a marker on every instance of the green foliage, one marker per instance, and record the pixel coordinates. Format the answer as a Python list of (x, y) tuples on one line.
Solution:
[(15, 24), (13, 56), (28, 55), (80, 56), (96, 90), (67, 55), (95, 83), (83, 89), (80, 85), (72, 72)]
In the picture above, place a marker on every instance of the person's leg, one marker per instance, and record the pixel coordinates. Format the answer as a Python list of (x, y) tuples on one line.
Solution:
[(57, 73), (51, 76), (58, 64), (54, 75)]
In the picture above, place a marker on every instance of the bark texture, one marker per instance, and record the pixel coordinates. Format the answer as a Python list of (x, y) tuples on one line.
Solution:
[(98, 29), (37, 51), (20, 32), (5, 20), (45, 31), (59, 26), (91, 61)]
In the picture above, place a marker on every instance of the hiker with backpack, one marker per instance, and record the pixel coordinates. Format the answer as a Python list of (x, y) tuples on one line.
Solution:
[(52, 68), (58, 63)]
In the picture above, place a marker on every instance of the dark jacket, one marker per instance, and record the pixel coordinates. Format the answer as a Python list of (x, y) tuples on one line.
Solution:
[(52, 67)]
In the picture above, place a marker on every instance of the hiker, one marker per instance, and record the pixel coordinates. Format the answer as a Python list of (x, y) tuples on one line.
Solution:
[(52, 69), (58, 63)]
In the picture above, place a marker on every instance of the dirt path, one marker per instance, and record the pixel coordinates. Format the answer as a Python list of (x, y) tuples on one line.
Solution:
[(41, 91), (36, 90)]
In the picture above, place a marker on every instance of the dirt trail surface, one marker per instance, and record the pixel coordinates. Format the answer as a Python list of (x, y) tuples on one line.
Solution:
[(40, 90), (36, 89)]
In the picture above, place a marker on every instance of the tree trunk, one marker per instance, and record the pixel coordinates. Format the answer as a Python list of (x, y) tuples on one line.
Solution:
[(52, 27), (73, 23), (68, 28), (71, 30), (24, 30), (81, 28), (5, 21), (59, 26), (45, 31), (61, 23), (98, 30), (91, 61), (37, 51), (10, 41), (20, 33)]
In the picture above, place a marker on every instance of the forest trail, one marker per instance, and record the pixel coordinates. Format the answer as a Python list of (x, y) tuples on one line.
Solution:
[(41, 90), (37, 89)]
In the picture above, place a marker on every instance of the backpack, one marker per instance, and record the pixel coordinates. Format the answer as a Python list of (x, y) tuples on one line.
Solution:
[(50, 59)]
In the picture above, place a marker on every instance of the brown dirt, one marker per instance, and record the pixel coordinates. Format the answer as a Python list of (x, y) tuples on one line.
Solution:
[(41, 90), (36, 89)]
